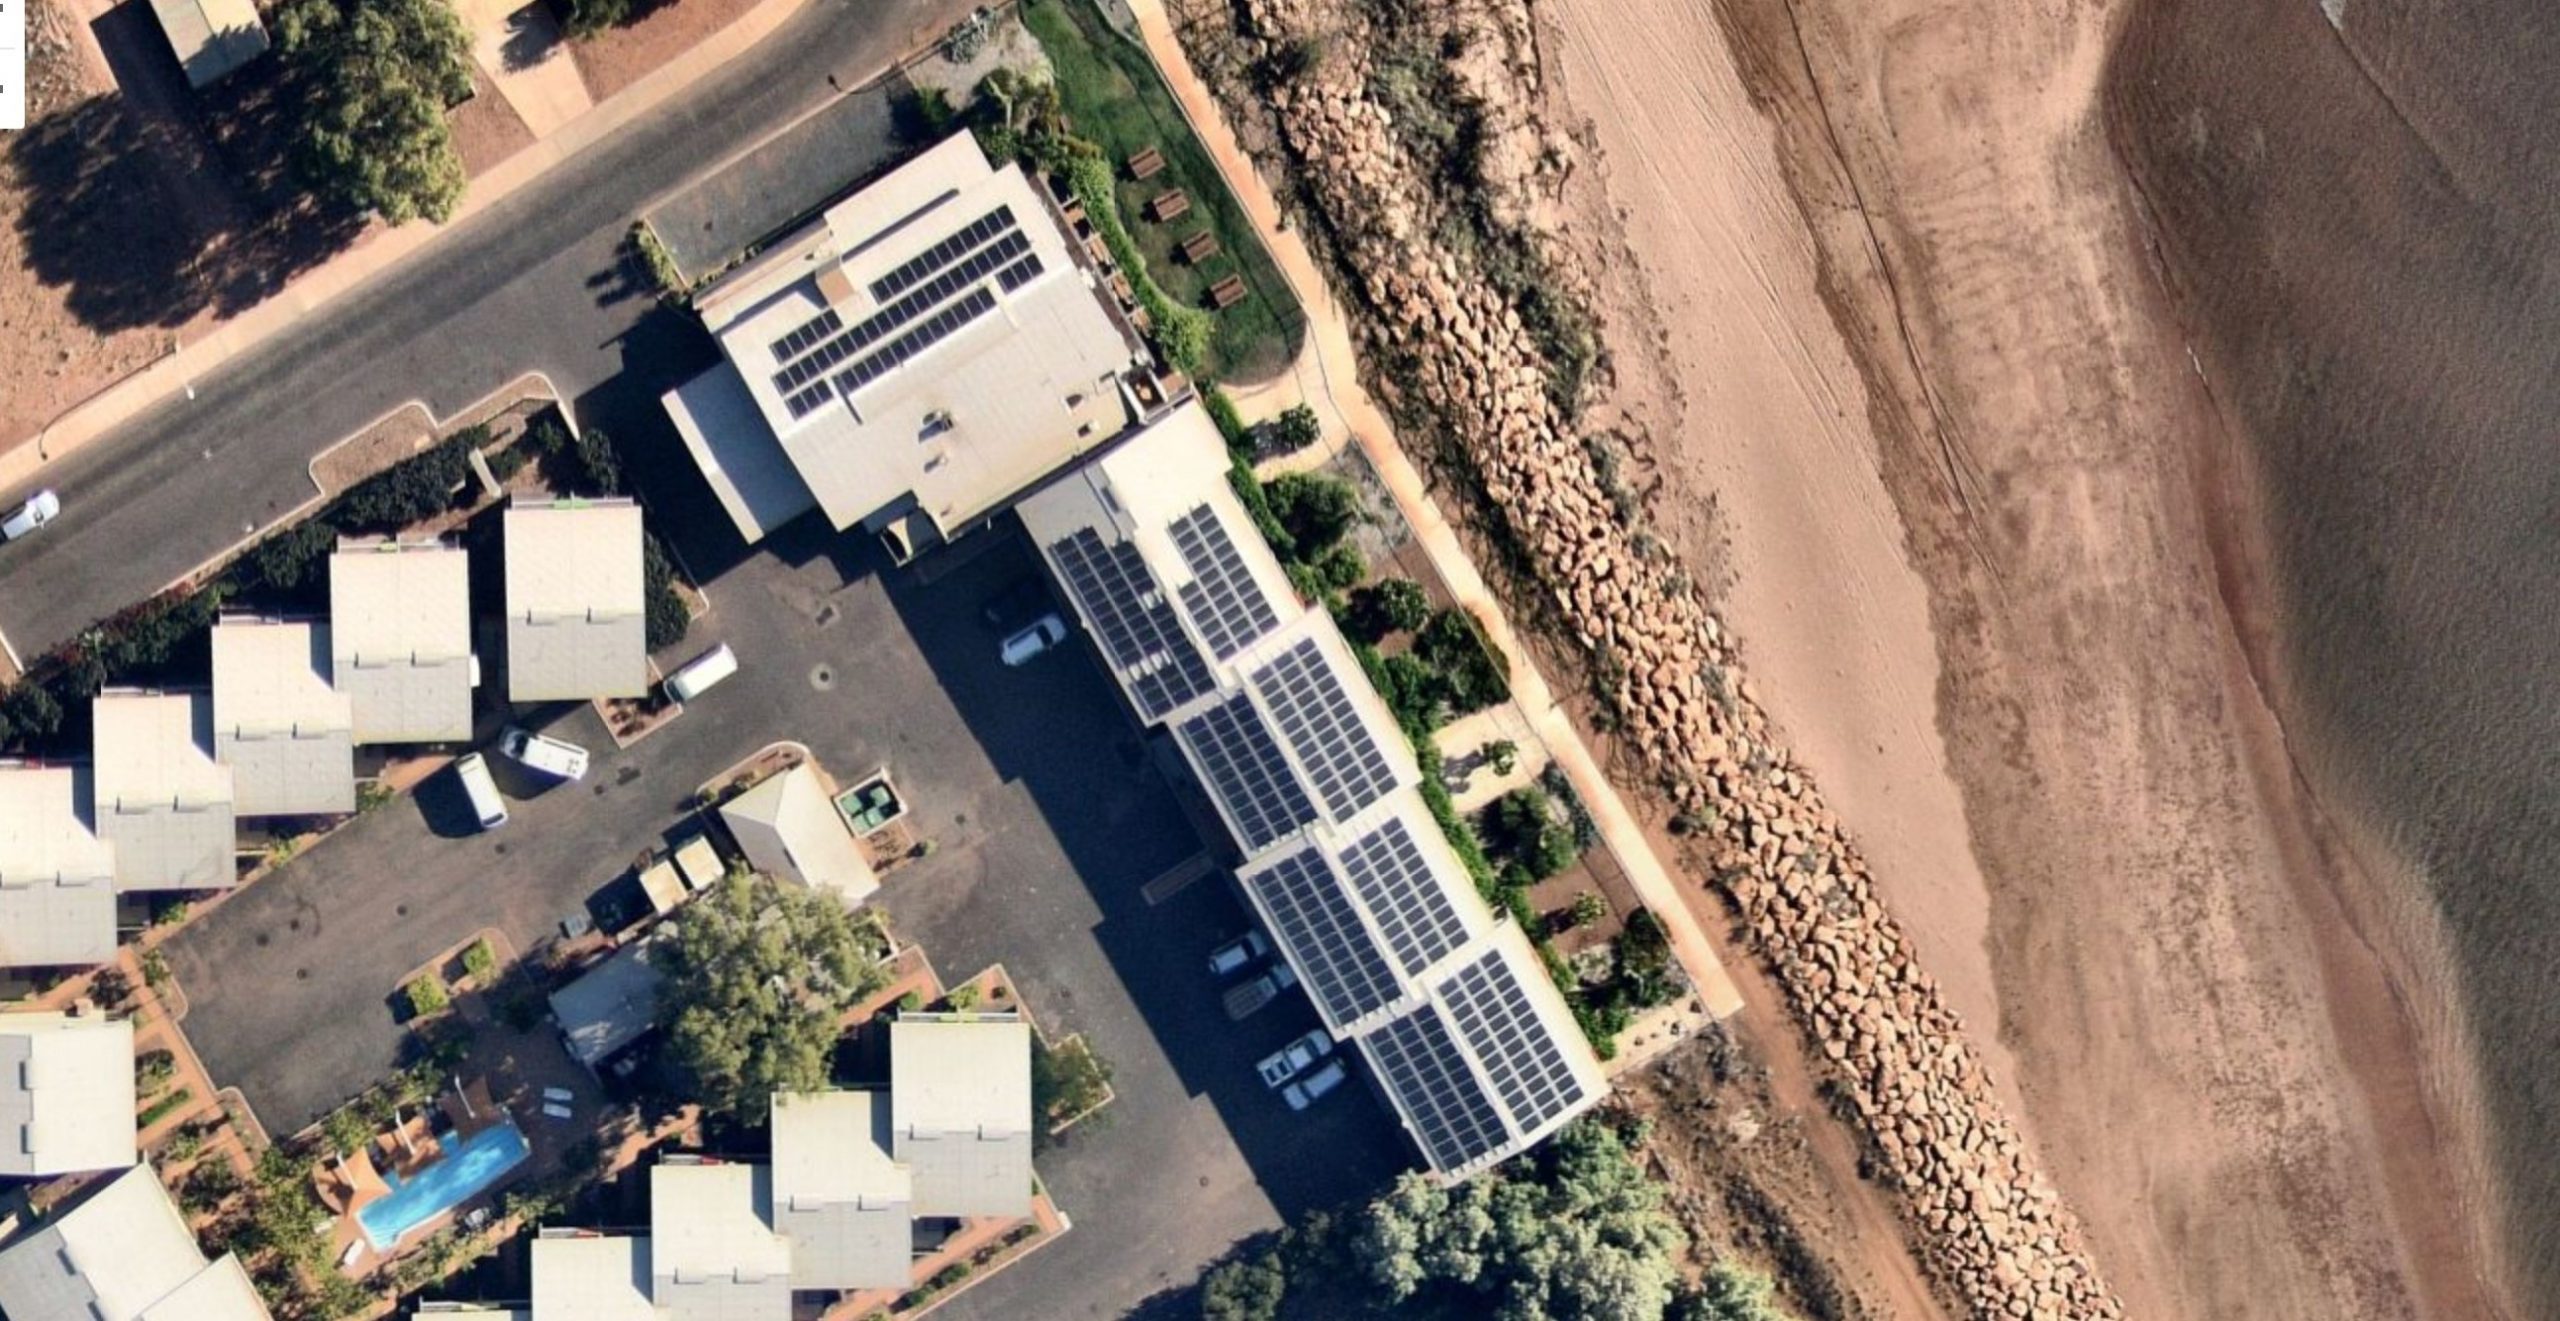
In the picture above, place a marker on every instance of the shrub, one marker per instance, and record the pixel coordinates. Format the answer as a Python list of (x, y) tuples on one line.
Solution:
[(506, 462), (1389, 605), (154, 1070), (963, 998), (163, 1108), (1294, 430), (1473, 675), (480, 961), (1067, 1080), (650, 253), (413, 489), (1315, 509), (427, 995), (1588, 907), (286, 562), (1502, 755), (922, 116), (155, 969), (1182, 331), (1341, 567), (669, 618), (185, 1144), (910, 1002), (586, 18), (208, 1185)]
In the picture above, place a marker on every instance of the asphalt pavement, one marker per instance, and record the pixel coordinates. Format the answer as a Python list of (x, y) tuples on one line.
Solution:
[(538, 282)]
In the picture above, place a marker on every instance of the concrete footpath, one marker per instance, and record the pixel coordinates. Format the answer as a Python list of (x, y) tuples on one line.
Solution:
[(1335, 391), (382, 249)]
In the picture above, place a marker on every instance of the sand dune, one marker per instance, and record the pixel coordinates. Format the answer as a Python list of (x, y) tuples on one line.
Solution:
[(1992, 572)]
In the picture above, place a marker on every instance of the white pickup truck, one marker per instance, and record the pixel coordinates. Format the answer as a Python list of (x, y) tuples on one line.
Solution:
[(41, 508)]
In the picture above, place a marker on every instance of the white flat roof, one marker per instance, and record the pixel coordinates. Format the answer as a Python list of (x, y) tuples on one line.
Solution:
[(66, 1093), (960, 1111), (839, 1198), (160, 798), (712, 1247), (790, 829), (576, 601), (284, 729), (400, 639), (57, 879), (592, 1277), (893, 388)]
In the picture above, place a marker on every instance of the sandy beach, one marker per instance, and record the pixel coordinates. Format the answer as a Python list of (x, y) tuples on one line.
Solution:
[(1882, 296)]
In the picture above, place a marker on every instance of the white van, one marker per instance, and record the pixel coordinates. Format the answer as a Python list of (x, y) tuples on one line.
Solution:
[(696, 676), (482, 790), (550, 756)]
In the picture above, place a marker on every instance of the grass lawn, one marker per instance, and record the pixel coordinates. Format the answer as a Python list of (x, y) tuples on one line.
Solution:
[(1110, 90)]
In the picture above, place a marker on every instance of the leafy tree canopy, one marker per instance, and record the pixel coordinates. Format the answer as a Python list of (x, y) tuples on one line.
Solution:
[(757, 976), (374, 79)]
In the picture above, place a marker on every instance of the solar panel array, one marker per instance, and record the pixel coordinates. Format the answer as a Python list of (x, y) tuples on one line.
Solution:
[(1247, 772), (916, 268), (881, 361), (895, 317), (1019, 274), (1424, 1069), (1135, 620), (807, 333), (1315, 713), (1387, 870), (1528, 1068), (1344, 968), (1225, 605)]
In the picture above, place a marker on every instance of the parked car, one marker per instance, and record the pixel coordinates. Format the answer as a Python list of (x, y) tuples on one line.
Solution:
[(1233, 957), (1295, 1058), (548, 755), (473, 771), (1311, 1089), (1244, 1001), (40, 509), (1026, 646)]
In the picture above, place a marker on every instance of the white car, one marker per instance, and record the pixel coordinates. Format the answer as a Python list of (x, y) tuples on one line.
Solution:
[(1312, 1088), (40, 509), (1231, 958), (1026, 646), (550, 756), (1295, 1058)]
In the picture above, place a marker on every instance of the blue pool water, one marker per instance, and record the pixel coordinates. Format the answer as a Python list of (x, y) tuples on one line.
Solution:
[(468, 1166)]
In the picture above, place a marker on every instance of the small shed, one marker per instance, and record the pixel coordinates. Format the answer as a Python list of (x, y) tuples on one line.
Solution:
[(212, 38), (1168, 204), (789, 829)]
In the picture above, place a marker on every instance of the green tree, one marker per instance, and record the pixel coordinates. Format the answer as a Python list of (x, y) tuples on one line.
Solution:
[(588, 17), (757, 977), (1730, 1293), (1315, 509), (1244, 1290), (346, 1130), (480, 961), (1294, 430), (374, 79)]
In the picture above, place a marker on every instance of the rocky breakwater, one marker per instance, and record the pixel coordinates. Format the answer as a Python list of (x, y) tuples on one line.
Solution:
[(1986, 1219)]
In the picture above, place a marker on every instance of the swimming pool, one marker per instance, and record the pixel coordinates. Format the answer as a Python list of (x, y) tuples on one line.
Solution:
[(468, 1166)]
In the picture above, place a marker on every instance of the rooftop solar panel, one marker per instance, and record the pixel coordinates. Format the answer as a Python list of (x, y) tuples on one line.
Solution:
[(1019, 274), (895, 317), (806, 401), (1387, 869), (1344, 967), (1527, 1065), (805, 334), (914, 270), (1425, 1071), (1315, 714), (1225, 605), (1247, 772), (888, 357), (1122, 600)]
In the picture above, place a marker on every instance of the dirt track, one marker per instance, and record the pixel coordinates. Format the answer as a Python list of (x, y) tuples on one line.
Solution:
[(1978, 552)]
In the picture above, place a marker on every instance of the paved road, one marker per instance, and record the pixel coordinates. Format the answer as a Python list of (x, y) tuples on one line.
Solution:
[(534, 283)]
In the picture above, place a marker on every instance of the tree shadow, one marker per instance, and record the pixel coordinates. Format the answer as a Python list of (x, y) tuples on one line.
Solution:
[(152, 205), (533, 35)]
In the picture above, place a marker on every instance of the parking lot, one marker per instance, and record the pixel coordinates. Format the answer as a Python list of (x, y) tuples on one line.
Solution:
[(1048, 817)]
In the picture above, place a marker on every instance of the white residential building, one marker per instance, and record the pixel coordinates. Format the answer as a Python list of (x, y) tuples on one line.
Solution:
[(400, 639), (577, 621), (159, 796), (57, 878), (66, 1094), (789, 829), (279, 722), (960, 1111), (840, 1199), (122, 1253)]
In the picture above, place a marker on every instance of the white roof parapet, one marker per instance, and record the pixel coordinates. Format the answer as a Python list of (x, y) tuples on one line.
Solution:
[(935, 346), (158, 795), (960, 1111), (66, 1094), (279, 722), (577, 619), (400, 638), (580, 1275)]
